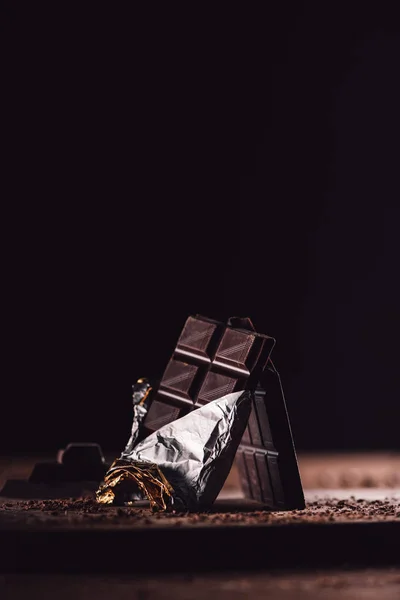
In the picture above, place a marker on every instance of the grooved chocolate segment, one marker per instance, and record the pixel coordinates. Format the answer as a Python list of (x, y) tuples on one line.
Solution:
[(214, 386), (195, 337), (265, 429), (233, 350), (253, 475), (241, 465), (265, 482), (254, 429), (275, 477), (246, 439), (178, 378), (160, 414)]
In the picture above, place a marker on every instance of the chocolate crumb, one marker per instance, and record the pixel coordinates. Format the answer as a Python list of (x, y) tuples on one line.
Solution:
[(86, 511)]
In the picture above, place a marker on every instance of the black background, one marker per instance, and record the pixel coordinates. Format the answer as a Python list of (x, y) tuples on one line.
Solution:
[(174, 162)]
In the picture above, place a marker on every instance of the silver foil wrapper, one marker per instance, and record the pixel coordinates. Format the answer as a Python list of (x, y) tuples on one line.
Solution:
[(140, 394), (195, 453)]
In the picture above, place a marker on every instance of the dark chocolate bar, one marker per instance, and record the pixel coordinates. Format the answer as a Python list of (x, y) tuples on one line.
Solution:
[(266, 457), (212, 359)]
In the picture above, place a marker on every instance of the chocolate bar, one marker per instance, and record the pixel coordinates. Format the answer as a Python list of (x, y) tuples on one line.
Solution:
[(266, 458), (212, 359)]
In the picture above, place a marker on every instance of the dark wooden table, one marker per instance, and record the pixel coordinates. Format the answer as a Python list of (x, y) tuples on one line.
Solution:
[(327, 551)]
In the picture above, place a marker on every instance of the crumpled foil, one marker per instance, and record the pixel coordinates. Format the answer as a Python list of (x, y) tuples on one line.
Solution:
[(119, 474), (127, 476), (140, 394), (194, 454)]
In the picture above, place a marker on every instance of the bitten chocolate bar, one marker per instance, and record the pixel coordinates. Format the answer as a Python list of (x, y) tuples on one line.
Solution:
[(212, 359)]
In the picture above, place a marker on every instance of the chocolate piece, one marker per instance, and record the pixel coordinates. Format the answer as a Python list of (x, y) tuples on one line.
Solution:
[(212, 359), (266, 458), (83, 455), (77, 462)]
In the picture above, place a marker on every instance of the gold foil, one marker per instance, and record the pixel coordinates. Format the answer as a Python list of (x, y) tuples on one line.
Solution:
[(130, 475), (147, 393)]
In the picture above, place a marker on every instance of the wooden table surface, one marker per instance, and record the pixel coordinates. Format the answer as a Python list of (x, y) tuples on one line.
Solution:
[(324, 476), (319, 470), (366, 584)]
